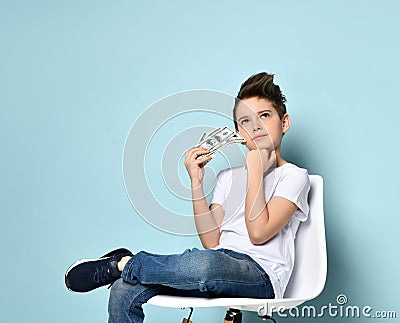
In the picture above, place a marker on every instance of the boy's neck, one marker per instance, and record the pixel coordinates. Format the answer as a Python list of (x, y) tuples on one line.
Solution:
[(279, 160), (279, 164)]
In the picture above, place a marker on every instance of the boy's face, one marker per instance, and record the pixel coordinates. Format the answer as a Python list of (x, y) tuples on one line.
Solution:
[(259, 123)]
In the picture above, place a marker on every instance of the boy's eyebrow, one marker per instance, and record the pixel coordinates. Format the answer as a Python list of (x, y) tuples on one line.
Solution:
[(259, 112), (266, 110)]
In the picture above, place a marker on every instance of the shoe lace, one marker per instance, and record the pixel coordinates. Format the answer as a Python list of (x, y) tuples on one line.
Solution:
[(102, 274)]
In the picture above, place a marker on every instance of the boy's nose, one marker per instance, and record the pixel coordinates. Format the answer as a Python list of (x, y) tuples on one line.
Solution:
[(256, 125)]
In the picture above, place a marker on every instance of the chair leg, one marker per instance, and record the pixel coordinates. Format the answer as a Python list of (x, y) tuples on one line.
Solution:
[(233, 315), (187, 320)]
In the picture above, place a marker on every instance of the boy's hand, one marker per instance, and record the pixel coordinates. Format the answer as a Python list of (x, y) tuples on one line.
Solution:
[(262, 159), (195, 166)]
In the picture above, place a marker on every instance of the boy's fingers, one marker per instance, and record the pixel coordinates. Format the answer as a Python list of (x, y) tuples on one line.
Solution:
[(203, 159), (191, 150), (194, 152)]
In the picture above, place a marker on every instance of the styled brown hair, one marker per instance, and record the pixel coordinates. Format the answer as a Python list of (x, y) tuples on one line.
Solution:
[(261, 85)]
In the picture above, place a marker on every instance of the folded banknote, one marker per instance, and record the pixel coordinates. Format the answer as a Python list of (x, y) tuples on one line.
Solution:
[(218, 139)]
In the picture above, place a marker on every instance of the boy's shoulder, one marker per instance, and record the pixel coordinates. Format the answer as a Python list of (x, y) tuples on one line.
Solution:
[(293, 175), (290, 168)]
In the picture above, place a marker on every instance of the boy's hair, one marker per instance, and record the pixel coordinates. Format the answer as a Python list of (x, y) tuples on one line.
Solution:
[(261, 85)]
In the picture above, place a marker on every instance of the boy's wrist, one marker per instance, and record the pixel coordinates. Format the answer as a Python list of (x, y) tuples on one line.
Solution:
[(255, 169), (196, 183)]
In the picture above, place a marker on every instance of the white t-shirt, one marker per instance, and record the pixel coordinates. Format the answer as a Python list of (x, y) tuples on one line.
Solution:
[(276, 256)]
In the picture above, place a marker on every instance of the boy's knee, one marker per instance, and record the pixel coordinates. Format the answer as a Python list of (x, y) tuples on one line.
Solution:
[(126, 300), (207, 264), (118, 298)]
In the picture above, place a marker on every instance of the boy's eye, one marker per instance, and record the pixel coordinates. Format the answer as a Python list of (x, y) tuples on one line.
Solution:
[(265, 114), (244, 121)]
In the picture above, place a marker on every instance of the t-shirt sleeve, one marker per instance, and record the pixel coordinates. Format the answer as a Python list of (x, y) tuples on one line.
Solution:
[(295, 186), (218, 195)]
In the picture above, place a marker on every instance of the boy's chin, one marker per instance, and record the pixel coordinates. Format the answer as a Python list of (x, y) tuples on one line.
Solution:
[(262, 146)]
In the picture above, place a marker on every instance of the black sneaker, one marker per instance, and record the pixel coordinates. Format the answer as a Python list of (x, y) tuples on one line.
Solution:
[(88, 274)]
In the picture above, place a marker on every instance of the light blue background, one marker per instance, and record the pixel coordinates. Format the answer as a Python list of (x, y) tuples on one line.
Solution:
[(74, 75)]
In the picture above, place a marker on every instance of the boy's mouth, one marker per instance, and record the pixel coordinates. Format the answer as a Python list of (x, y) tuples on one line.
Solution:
[(259, 136)]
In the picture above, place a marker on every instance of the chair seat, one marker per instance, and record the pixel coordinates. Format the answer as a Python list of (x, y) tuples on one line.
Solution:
[(261, 306)]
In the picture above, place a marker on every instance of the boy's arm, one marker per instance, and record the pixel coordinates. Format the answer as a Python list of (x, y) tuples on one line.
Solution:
[(263, 220), (206, 219)]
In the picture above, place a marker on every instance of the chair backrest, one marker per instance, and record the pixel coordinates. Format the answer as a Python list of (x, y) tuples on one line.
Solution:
[(309, 272)]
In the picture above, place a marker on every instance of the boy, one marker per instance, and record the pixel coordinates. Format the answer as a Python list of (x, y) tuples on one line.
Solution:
[(247, 231)]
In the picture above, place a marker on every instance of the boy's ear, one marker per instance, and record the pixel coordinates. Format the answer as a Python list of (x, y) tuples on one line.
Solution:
[(285, 123)]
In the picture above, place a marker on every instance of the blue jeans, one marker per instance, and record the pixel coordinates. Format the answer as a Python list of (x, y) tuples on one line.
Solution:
[(200, 273)]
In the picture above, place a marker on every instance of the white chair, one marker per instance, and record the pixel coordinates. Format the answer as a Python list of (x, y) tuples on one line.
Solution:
[(308, 277)]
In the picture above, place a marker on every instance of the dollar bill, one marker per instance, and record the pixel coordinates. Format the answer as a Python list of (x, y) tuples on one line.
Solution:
[(218, 139)]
